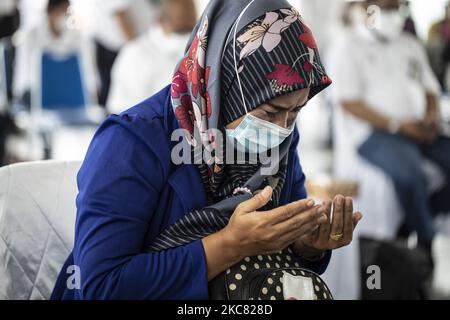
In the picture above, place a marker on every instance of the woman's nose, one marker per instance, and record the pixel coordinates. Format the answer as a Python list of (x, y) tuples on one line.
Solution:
[(281, 119)]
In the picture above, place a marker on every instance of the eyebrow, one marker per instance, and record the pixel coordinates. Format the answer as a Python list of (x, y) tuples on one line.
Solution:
[(280, 107)]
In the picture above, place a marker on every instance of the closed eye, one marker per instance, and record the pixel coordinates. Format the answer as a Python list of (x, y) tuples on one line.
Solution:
[(299, 108), (271, 114)]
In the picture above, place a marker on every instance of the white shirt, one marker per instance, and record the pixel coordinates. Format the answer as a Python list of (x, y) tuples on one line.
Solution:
[(32, 13), (390, 78), (32, 44), (144, 66), (107, 27)]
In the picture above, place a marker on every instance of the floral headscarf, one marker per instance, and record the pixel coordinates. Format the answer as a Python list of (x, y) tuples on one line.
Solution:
[(273, 53)]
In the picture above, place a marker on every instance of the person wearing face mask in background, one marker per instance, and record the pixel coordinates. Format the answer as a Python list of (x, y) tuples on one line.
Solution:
[(55, 37), (142, 65), (388, 94)]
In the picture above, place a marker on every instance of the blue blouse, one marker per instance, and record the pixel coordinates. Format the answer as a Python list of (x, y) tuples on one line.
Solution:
[(129, 191)]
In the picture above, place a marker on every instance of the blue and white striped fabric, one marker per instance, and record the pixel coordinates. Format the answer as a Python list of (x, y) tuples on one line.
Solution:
[(200, 223), (195, 225)]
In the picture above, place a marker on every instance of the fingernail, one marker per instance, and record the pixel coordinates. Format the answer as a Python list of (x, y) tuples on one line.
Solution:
[(321, 210), (266, 192), (310, 203)]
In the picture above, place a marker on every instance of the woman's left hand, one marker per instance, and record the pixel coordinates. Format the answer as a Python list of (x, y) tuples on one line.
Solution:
[(335, 233)]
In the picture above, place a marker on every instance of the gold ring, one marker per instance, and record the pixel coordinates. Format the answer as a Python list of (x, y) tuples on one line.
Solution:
[(337, 236)]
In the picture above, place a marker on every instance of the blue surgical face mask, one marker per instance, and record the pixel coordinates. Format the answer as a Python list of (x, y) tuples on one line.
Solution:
[(255, 135)]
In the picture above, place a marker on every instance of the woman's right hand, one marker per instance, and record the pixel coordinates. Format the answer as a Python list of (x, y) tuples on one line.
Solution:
[(418, 131), (254, 232), (250, 232)]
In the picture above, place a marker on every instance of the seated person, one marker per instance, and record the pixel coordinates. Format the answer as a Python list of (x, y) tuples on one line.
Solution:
[(143, 65), (384, 81)]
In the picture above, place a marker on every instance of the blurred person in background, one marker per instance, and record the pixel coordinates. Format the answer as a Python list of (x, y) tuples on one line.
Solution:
[(9, 22), (116, 23), (54, 37), (384, 81), (143, 65), (439, 46)]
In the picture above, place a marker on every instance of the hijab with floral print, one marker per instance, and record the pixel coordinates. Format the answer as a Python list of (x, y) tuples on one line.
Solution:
[(222, 77)]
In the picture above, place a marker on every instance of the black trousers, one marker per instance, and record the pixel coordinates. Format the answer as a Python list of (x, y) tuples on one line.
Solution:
[(105, 60)]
